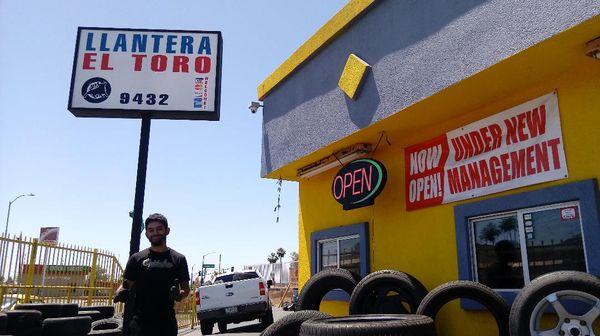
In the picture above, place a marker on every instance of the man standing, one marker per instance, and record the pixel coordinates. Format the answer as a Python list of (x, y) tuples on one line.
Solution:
[(159, 276)]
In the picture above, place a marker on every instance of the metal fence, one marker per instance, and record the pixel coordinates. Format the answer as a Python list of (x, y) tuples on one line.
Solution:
[(31, 271)]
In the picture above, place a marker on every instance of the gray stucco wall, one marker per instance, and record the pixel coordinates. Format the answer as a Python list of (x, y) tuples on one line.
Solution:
[(416, 48)]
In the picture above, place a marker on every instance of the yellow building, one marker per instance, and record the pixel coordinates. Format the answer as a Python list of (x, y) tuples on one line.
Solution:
[(485, 115)]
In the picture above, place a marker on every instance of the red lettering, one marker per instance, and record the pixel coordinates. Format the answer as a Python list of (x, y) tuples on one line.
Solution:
[(474, 175), (138, 61), (511, 131), (104, 64), (521, 127), (464, 178), (530, 160), (180, 64), (554, 147), (356, 181), (496, 170), (477, 142), (88, 60), (158, 63), (202, 64), (458, 149), (335, 187), (485, 174), (505, 167), (541, 157), (347, 182), (496, 132), (454, 181), (518, 163), (367, 181), (537, 121)]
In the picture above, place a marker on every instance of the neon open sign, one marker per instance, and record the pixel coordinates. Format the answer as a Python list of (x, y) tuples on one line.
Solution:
[(358, 183)]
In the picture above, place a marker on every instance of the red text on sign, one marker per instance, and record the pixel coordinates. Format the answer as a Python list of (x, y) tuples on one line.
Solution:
[(354, 182)]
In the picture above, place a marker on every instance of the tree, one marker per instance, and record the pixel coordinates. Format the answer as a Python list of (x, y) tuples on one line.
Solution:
[(489, 233), (280, 253), (509, 226), (272, 258), (294, 256)]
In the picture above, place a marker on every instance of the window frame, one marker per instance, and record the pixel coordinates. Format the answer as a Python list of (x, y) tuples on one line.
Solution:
[(337, 240), (362, 231), (585, 192), (518, 213)]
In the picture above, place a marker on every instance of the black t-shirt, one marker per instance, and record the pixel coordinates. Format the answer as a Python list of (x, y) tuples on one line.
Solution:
[(154, 274)]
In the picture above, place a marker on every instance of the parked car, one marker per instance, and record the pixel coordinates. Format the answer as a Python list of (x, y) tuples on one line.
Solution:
[(233, 298)]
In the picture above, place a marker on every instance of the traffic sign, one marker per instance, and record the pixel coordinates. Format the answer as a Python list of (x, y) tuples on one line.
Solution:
[(209, 265)]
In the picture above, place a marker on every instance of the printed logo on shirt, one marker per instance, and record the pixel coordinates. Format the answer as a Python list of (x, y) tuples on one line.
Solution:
[(149, 263)]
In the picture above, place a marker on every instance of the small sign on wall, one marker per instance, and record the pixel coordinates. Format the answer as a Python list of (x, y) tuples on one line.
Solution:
[(358, 183)]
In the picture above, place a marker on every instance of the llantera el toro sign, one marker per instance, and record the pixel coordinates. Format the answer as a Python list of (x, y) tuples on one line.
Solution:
[(169, 74), (358, 183)]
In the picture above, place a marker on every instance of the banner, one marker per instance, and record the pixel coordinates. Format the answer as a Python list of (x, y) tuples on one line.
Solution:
[(514, 148)]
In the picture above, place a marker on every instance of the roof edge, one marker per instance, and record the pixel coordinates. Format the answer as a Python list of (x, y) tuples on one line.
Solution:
[(327, 33)]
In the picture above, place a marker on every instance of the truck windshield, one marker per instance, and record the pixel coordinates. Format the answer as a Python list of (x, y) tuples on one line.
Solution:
[(236, 277)]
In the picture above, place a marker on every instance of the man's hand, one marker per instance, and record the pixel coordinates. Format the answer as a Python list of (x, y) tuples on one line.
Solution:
[(176, 292), (122, 295)]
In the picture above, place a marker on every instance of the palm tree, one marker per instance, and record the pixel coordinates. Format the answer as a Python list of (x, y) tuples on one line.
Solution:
[(294, 256), (489, 233), (272, 258), (509, 225), (280, 253)]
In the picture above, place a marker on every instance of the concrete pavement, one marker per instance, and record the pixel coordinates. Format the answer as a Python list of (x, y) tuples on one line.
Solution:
[(251, 328)]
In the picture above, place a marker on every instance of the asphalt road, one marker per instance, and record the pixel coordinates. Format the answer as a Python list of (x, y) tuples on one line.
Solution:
[(251, 328)]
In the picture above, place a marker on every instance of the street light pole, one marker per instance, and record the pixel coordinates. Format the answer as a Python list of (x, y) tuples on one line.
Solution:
[(202, 269), (8, 213)]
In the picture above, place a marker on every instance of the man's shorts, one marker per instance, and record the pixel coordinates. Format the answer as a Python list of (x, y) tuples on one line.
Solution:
[(166, 326)]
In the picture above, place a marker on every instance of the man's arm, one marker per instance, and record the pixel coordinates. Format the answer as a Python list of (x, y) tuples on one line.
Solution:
[(185, 290)]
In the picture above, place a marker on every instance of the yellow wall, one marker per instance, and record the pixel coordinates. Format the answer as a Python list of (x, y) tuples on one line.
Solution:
[(422, 242)]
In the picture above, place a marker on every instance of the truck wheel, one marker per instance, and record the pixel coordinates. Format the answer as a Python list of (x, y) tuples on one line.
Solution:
[(222, 327), (206, 327), (554, 291), (441, 295), (289, 325), (371, 295), (321, 283), (267, 320), (357, 325)]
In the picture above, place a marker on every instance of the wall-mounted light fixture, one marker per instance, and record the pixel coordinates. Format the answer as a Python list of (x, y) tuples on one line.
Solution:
[(593, 48), (335, 160)]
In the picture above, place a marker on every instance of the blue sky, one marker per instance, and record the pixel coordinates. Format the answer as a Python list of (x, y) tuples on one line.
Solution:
[(204, 176)]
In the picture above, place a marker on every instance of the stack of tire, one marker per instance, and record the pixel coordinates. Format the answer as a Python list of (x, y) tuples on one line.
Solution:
[(391, 303), (53, 319)]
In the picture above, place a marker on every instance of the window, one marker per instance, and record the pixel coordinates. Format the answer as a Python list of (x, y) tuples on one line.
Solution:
[(507, 241), (343, 246), (511, 249), (342, 252)]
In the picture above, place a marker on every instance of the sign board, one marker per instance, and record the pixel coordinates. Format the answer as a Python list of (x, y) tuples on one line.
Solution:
[(514, 148), (358, 183), (123, 73), (49, 235), (209, 265)]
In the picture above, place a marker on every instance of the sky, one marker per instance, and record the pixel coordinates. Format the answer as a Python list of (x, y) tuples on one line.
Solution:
[(203, 176)]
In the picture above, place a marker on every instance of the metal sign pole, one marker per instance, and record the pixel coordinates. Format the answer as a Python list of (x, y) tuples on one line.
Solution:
[(140, 186)]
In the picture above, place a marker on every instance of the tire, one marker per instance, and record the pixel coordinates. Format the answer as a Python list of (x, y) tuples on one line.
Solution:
[(543, 287), (24, 323), (67, 326), (48, 310), (3, 321), (206, 327), (441, 295), (108, 332), (94, 314), (222, 327), (106, 311), (289, 325), (357, 325), (319, 284), (267, 320), (107, 324), (369, 296), (69, 309)]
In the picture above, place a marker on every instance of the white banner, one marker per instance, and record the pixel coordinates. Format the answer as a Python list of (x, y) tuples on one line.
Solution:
[(514, 148)]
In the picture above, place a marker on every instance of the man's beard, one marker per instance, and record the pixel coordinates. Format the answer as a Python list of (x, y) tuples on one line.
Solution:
[(161, 241)]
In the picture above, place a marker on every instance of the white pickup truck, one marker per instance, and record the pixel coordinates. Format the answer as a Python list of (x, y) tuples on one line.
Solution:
[(233, 298)]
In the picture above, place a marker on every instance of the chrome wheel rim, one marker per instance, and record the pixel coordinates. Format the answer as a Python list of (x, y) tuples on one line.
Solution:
[(568, 324)]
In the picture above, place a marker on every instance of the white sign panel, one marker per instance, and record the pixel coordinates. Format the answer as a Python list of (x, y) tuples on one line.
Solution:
[(514, 148), (124, 73)]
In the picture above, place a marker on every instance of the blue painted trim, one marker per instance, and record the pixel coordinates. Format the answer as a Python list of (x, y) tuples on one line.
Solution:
[(360, 229), (586, 192)]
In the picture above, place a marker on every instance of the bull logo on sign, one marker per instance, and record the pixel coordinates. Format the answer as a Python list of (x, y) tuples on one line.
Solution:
[(95, 90)]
